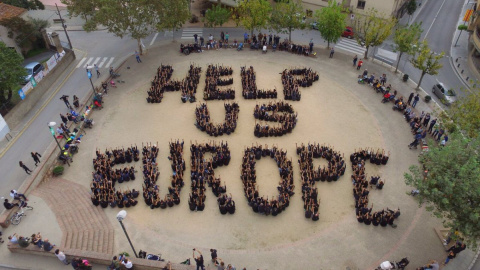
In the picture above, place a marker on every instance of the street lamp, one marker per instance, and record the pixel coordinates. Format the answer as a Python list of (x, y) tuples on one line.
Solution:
[(64, 27), (89, 75), (51, 126), (120, 216)]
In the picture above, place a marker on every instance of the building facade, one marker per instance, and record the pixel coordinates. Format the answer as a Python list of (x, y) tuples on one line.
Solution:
[(6, 12), (389, 8)]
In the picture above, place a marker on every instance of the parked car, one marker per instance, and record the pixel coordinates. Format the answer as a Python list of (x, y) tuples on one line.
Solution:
[(32, 69), (446, 96), (348, 32)]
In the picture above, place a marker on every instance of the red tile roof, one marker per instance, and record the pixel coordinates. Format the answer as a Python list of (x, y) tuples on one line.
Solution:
[(8, 11)]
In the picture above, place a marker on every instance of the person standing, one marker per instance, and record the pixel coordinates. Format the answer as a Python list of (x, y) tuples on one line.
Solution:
[(36, 157), (137, 56), (127, 263), (245, 37), (332, 51), (61, 256), (415, 100), (96, 69), (227, 36), (202, 41), (311, 45), (355, 59), (213, 253), (23, 166), (410, 98), (360, 64), (383, 79), (65, 99), (76, 101), (198, 260), (195, 37)]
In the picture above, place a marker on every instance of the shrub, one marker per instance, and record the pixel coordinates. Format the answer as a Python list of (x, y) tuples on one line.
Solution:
[(58, 170)]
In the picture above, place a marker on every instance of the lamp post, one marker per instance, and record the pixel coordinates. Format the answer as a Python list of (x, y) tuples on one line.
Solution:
[(89, 75), (120, 216), (51, 126), (64, 27)]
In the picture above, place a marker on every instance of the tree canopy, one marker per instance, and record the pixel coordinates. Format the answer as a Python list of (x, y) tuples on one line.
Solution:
[(331, 22), (82, 8), (253, 14), (26, 4), (411, 7), (217, 16), (371, 29), (26, 33), (449, 183), (465, 113), (426, 60), (287, 15), (12, 72), (404, 37)]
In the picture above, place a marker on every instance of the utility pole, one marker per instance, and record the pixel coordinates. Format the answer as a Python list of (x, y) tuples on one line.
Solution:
[(64, 27)]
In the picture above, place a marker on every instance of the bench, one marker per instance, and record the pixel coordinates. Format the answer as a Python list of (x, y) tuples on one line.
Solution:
[(58, 20)]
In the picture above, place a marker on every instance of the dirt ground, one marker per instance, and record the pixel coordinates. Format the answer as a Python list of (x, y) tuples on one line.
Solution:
[(335, 111)]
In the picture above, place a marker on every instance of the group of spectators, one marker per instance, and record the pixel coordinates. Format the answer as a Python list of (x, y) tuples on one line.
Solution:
[(151, 191), (213, 82), (203, 121), (105, 177), (279, 112), (162, 82), (289, 46), (249, 85), (335, 169), (262, 205), (361, 189), (292, 79), (203, 174)]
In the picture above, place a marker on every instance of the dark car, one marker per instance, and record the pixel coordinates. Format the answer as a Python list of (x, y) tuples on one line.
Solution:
[(446, 96), (32, 69), (348, 32)]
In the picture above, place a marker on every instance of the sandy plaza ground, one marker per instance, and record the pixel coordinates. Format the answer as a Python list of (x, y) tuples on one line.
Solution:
[(335, 111)]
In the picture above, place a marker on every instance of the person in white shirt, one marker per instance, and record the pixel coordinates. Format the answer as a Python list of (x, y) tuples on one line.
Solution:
[(16, 196), (61, 256), (127, 263)]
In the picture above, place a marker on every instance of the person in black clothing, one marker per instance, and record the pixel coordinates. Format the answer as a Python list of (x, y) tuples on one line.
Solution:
[(9, 205), (213, 253), (198, 260), (410, 98), (36, 157), (65, 99), (23, 166)]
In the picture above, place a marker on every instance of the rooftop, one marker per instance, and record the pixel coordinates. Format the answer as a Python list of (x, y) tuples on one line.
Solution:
[(8, 11)]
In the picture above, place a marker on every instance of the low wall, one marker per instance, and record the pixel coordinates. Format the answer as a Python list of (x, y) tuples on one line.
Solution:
[(15, 116), (98, 258)]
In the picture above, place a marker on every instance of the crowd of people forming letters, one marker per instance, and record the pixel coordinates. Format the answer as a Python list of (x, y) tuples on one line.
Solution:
[(262, 205), (249, 85), (292, 79), (213, 81), (309, 174), (361, 187), (279, 112), (204, 123), (203, 174), (162, 82)]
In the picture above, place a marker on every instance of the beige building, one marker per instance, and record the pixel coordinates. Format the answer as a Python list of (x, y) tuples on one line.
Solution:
[(395, 8), (6, 12)]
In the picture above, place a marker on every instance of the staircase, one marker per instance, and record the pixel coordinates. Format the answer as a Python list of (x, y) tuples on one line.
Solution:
[(84, 226)]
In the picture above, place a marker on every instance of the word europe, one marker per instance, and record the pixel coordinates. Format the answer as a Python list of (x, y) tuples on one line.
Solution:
[(108, 175)]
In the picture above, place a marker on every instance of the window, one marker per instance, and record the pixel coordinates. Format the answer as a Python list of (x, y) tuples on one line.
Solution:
[(361, 4)]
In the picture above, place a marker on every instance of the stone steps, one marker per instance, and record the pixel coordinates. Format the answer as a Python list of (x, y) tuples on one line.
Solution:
[(84, 226)]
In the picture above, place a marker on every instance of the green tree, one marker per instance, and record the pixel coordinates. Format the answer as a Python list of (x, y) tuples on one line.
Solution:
[(411, 7), (253, 14), (426, 60), (449, 184), (12, 72), (174, 14), (404, 37), (371, 29), (26, 34), (217, 16), (26, 4), (287, 15), (82, 8), (331, 22), (465, 113), (135, 18)]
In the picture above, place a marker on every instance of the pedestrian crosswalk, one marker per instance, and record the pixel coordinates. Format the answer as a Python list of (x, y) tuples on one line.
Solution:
[(101, 62), (188, 33), (350, 45)]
